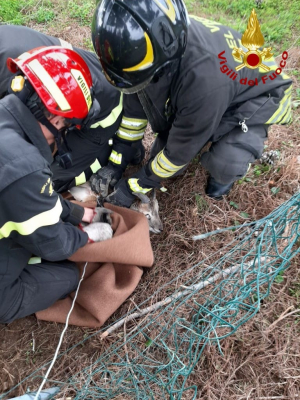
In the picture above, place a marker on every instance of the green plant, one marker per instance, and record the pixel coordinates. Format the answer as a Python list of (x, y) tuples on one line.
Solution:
[(244, 215), (201, 203), (81, 10), (295, 291), (234, 205), (10, 11), (279, 278), (279, 20), (260, 169), (275, 190)]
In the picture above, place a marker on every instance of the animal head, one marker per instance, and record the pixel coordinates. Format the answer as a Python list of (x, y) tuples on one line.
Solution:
[(144, 204), (149, 207)]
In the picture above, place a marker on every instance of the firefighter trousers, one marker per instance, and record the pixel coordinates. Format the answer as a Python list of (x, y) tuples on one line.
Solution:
[(228, 158), (37, 288)]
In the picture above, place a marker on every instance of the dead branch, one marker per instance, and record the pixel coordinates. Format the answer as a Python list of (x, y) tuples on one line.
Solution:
[(176, 296)]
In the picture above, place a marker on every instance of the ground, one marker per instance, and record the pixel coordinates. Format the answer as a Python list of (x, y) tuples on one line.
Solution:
[(261, 360)]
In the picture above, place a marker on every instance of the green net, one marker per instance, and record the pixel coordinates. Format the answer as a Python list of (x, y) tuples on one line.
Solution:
[(164, 337)]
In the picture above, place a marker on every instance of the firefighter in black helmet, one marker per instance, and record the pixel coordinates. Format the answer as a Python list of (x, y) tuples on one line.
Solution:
[(171, 67), (135, 40)]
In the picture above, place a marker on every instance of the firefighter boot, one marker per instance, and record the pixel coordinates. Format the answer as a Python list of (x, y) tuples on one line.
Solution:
[(216, 190)]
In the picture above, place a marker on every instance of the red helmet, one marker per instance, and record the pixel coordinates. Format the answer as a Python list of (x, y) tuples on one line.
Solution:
[(60, 77)]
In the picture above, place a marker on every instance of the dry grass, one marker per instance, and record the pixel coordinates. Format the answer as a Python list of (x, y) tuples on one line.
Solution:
[(261, 360)]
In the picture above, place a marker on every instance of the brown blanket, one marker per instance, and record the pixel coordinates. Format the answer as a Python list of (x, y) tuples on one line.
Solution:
[(112, 273)]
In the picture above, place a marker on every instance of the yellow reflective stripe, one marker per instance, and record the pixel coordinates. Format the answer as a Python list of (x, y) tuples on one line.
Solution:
[(65, 44), (115, 157), (130, 136), (163, 167), (34, 260), (159, 171), (283, 103), (282, 115), (170, 11), (283, 109), (135, 187), (134, 122), (80, 179), (287, 117), (95, 166), (131, 131), (49, 84), (112, 117), (135, 129), (45, 218), (147, 61)]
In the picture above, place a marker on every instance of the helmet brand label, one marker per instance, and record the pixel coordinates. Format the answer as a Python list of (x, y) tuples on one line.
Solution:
[(83, 86)]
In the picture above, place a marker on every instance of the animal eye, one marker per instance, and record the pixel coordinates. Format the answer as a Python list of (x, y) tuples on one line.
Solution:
[(148, 216)]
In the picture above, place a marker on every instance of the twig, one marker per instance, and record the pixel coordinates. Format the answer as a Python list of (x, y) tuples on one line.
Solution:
[(33, 342), (281, 317), (271, 397), (230, 228), (11, 377), (126, 350), (176, 296)]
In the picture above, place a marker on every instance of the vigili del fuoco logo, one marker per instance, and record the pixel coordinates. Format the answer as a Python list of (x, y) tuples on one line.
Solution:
[(253, 58)]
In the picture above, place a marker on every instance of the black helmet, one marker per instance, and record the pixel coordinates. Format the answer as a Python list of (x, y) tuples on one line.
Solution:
[(135, 38)]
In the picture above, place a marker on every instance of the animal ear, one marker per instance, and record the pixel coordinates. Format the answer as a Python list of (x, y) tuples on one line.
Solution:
[(144, 199)]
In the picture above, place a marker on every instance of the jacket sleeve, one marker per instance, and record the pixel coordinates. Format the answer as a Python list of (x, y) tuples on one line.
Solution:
[(72, 213), (34, 216), (130, 132), (198, 114)]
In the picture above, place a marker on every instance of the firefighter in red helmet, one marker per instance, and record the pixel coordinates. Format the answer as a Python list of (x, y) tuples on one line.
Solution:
[(50, 91), (90, 143)]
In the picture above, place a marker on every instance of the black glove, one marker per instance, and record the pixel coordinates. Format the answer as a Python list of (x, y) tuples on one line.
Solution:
[(139, 182), (108, 175), (122, 196)]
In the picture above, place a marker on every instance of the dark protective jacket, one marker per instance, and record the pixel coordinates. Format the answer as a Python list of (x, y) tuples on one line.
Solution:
[(34, 219), (200, 100), (15, 40)]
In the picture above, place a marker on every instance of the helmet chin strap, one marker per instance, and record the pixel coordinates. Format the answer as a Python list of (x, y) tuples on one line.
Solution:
[(64, 151), (30, 98)]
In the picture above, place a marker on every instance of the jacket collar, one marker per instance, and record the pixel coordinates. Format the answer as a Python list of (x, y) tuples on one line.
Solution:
[(27, 121)]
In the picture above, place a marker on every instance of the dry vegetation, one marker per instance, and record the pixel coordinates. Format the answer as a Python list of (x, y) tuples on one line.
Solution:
[(261, 360)]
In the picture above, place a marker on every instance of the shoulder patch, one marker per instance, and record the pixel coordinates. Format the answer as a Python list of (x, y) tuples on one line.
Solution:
[(50, 187)]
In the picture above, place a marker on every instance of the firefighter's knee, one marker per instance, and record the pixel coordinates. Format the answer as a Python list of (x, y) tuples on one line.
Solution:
[(225, 170)]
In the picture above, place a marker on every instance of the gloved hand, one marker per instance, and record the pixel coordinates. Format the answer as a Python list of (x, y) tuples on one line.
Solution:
[(98, 231), (108, 175), (122, 196), (102, 214)]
